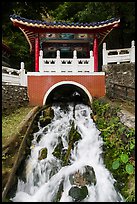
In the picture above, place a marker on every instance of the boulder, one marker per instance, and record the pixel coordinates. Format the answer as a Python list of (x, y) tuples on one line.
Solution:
[(78, 193)]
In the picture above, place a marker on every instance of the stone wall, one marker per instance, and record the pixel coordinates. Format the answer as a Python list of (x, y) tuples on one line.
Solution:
[(13, 97), (120, 81)]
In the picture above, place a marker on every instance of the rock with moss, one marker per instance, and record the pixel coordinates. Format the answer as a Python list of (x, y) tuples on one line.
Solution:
[(48, 112), (42, 154), (59, 152), (46, 117), (74, 136)]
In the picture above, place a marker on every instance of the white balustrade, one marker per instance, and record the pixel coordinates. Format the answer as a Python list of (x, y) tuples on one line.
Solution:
[(13, 76), (119, 55), (66, 65)]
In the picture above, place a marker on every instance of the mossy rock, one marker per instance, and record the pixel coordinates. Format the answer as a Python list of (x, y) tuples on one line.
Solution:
[(45, 120), (42, 153), (48, 112), (46, 116), (78, 193), (74, 135), (59, 152)]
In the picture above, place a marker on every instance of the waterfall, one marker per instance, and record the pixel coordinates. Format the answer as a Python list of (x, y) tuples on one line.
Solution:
[(48, 180)]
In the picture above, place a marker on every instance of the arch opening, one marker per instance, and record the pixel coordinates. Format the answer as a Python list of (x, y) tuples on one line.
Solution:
[(67, 92)]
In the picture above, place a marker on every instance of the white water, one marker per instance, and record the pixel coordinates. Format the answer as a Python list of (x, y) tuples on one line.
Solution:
[(40, 186)]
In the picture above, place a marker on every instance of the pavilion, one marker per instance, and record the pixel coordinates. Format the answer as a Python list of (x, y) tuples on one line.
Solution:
[(66, 37)]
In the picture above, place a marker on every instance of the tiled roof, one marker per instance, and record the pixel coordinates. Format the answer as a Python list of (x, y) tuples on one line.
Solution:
[(31, 27), (44, 24)]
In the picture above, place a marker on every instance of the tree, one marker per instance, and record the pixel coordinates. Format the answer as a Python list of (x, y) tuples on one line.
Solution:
[(100, 11), (13, 37)]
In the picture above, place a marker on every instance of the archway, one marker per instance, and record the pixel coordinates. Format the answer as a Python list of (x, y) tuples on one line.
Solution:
[(67, 91)]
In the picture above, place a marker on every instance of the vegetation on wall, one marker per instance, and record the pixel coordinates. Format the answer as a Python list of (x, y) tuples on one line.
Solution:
[(118, 148)]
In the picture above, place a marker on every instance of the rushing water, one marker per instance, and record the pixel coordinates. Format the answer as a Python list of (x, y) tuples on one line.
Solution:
[(43, 177)]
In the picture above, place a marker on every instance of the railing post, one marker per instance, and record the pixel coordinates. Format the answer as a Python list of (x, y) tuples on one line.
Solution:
[(41, 64), (104, 54), (75, 62), (132, 51), (91, 61), (74, 54), (58, 62), (22, 75)]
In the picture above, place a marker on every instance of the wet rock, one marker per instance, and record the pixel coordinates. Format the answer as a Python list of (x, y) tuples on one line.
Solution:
[(46, 117), (45, 120), (48, 112), (86, 178), (89, 175), (78, 193), (77, 179), (42, 153), (58, 149)]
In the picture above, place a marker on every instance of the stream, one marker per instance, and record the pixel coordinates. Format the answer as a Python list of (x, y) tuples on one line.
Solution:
[(82, 177)]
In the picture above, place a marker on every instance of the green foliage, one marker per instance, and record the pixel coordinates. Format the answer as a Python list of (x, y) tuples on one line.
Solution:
[(119, 145), (115, 164), (129, 168), (13, 37), (124, 158), (100, 11)]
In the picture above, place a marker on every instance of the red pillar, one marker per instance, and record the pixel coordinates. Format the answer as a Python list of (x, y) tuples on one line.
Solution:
[(36, 54), (95, 54)]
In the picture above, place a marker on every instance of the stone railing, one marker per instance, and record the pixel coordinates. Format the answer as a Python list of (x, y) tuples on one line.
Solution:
[(118, 56), (66, 65), (13, 76)]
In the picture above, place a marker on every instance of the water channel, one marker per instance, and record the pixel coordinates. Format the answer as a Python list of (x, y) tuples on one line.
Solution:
[(82, 177)]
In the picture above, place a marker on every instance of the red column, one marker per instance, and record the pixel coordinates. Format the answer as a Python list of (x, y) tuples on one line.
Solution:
[(36, 54), (95, 54)]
